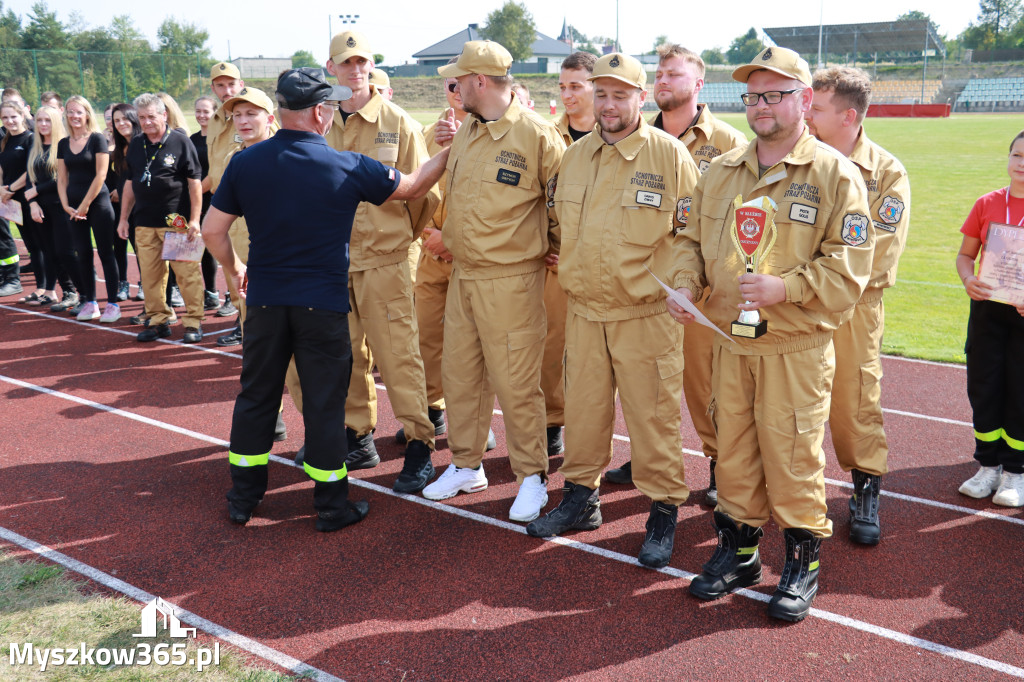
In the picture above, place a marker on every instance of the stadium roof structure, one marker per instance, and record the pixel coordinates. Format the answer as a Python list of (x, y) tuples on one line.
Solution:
[(871, 38), (543, 46)]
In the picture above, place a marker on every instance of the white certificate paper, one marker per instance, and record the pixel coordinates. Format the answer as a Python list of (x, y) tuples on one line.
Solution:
[(689, 307)]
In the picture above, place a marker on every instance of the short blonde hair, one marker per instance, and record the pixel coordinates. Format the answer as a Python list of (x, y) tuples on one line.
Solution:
[(91, 124), (670, 50)]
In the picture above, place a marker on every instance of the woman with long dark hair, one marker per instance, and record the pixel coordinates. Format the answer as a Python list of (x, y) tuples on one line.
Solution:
[(14, 148), (125, 125)]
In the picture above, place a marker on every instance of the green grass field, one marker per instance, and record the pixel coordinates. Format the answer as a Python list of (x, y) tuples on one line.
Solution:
[(951, 162)]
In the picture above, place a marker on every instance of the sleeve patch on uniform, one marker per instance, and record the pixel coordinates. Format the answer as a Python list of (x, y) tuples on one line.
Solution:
[(683, 210), (552, 186), (803, 214), (507, 177), (648, 198), (891, 210), (391, 174), (703, 165), (883, 226), (855, 229)]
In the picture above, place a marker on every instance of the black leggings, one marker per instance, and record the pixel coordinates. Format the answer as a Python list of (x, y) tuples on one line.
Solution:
[(42, 263), (104, 229)]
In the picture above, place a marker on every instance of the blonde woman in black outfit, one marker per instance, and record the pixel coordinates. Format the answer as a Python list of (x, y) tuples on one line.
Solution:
[(82, 162)]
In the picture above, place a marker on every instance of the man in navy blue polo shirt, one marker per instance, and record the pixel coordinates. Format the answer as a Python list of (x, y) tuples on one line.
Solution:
[(299, 198)]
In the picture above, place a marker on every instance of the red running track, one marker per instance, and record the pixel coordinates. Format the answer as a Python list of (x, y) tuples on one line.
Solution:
[(114, 455)]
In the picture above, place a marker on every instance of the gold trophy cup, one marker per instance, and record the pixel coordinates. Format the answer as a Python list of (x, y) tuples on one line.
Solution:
[(753, 233)]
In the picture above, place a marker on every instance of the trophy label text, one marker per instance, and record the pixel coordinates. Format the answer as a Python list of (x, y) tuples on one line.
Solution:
[(648, 198), (803, 214)]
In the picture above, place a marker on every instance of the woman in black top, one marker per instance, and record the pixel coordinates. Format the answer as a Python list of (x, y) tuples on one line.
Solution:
[(13, 163), (82, 162), (126, 126), (47, 213), (204, 108)]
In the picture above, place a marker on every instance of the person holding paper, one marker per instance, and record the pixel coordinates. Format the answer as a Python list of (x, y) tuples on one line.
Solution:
[(616, 197), (995, 336), (163, 178), (771, 385)]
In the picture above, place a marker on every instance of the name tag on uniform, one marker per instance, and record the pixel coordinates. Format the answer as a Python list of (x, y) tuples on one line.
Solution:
[(803, 214), (508, 177), (648, 198)]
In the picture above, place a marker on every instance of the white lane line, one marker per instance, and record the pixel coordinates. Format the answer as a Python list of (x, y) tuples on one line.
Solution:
[(116, 330), (845, 621), (934, 363), (274, 656)]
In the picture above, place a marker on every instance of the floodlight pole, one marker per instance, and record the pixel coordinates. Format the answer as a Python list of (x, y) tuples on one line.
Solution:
[(345, 19), (618, 47), (821, 22)]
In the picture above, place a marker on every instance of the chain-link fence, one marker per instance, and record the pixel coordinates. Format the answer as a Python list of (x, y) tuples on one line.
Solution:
[(102, 77)]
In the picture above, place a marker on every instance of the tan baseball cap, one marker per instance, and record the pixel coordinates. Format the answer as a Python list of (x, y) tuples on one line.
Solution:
[(224, 69), (781, 60), (621, 67), (484, 57), (253, 96), (379, 77), (350, 44)]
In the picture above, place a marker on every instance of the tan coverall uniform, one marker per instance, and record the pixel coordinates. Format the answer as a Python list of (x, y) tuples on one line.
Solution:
[(771, 394), (706, 140), (856, 414), (382, 323), (499, 229), (617, 212)]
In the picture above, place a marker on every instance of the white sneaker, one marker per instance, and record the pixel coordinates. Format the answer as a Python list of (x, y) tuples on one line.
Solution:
[(1011, 491), (532, 497), (112, 313), (983, 483), (90, 311), (455, 480)]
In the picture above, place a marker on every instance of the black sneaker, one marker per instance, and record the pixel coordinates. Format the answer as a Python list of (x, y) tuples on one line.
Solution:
[(175, 300), (211, 300), (621, 476), (232, 339), (362, 452), (122, 290), (193, 334), (661, 532), (580, 509), (75, 309), (154, 332), (227, 309), (436, 418), (417, 469), (556, 445), (711, 496), (354, 513), (68, 300)]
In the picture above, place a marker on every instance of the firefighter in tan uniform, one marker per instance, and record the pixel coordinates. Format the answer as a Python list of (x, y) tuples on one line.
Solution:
[(678, 82), (617, 197), (382, 322), (499, 231), (771, 393), (577, 120), (434, 272), (841, 96)]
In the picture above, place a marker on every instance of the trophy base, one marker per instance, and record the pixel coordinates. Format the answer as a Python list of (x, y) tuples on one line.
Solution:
[(747, 330)]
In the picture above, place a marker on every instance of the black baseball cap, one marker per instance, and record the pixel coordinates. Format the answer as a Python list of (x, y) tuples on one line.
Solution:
[(306, 87)]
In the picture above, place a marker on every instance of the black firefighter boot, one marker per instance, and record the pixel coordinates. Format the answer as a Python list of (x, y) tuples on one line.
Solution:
[(736, 562), (334, 510), (248, 485), (10, 279), (864, 526), (656, 551), (362, 451), (580, 509), (799, 581)]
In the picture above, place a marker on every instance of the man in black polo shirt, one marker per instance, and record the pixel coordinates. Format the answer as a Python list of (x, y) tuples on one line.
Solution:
[(164, 178), (299, 198)]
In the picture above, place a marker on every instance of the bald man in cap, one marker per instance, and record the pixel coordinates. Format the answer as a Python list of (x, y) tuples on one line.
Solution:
[(499, 230), (618, 190), (383, 322), (771, 388)]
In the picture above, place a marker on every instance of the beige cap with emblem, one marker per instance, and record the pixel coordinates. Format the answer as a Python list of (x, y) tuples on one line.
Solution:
[(253, 96), (350, 44), (621, 67), (484, 57), (780, 60), (224, 69), (379, 77)]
